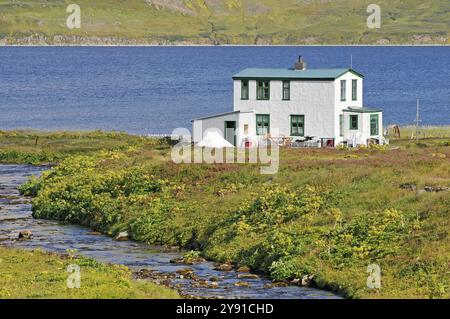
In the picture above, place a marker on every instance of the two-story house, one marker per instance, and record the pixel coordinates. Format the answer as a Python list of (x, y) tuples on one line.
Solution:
[(320, 105)]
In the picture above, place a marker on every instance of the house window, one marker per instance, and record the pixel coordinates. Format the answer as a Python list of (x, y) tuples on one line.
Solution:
[(343, 90), (341, 125), (354, 90), (374, 124), (286, 90), (244, 90), (297, 125), (353, 122), (263, 90), (262, 124), (246, 129)]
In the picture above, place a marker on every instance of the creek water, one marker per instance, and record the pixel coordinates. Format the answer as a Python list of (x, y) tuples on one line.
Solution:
[(54, 236)]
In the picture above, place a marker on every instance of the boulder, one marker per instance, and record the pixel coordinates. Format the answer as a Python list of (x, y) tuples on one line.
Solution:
[(408, 186), (184, 271), (248, 276), (307, 280), (243, 269), (242, 284), (277, 284), (25, 234), (187, 260), (436, 189), (122, 236), (178, 260), (187, 273), (223, 267)]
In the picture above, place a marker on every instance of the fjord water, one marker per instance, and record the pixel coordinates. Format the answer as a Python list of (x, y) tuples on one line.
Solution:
[(53, 236), (145, 90)]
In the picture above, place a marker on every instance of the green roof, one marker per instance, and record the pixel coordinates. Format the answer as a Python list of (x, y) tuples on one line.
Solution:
[(362, 110), (293, 74)]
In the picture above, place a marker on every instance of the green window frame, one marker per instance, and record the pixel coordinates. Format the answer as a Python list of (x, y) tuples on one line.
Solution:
[(354, 90), (297, 125), (263, 90), (286, 90), (341, 125), (354, 122), (374, 124), (343, 90), (244, 90), (262, 124)]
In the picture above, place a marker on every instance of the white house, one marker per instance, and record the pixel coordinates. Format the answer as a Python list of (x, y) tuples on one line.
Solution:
[(317, 107)]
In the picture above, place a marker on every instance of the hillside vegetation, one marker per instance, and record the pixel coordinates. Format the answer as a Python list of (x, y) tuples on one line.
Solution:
[(224, 22), (327, 213)]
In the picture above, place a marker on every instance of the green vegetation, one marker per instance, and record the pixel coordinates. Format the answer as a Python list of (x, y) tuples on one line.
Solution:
[(31, 147), (35, 274), (224, 22), (328, 213)]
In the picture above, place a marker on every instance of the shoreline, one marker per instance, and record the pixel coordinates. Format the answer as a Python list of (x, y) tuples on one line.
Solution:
[(226, 45)]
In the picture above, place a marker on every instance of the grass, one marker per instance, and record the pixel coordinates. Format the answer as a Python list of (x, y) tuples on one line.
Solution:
[(40, 275), (225, 22), (327, 213), (31, 147)]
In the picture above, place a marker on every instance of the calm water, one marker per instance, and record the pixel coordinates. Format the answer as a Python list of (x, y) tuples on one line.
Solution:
[(156, 89)]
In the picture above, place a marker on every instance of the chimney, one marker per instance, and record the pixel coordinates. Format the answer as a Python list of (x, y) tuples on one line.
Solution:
[(300, 65)]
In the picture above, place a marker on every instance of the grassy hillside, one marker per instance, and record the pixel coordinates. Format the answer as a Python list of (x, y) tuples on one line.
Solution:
[(35, 275), (328, 213), (224, 22)]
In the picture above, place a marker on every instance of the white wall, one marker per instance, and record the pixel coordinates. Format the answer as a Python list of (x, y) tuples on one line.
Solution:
[(363, 126), (218, 124), (341, 105), (314, 99)]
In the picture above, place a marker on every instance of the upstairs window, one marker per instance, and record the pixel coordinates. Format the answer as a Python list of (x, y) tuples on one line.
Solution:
[(244, 90), (297, 125), (263, 90), (262, 124), (353, 122), (354, 90), (374, 125), (286, 90), (343, 90)]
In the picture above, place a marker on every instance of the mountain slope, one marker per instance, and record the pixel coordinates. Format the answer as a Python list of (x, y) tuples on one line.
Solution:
[(224, 22)]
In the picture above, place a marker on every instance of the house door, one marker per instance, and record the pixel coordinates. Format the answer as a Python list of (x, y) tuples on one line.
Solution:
[(230, 132)]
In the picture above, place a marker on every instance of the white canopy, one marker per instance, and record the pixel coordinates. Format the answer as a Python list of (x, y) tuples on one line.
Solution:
[(214, 140)]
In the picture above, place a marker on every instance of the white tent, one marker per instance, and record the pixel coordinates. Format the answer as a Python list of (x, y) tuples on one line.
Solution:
[(214, 140)]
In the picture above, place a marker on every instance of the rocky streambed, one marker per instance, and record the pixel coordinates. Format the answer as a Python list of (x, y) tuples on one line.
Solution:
[(162, 265)]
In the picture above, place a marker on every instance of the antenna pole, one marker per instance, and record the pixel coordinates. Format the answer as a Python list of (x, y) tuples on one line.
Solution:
[(417, 121), (351, 60)]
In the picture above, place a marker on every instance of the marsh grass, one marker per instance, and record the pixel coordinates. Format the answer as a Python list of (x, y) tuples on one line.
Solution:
[(298, 222), (40, 275)]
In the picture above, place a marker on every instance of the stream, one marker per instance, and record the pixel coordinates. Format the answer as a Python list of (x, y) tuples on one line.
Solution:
[(54, 236)]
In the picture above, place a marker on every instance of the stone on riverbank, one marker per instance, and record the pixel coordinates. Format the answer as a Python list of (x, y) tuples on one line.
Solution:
[(307, 280), (25, 234), (243, 269), (122, 236), (248, 276), (223, 267)]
